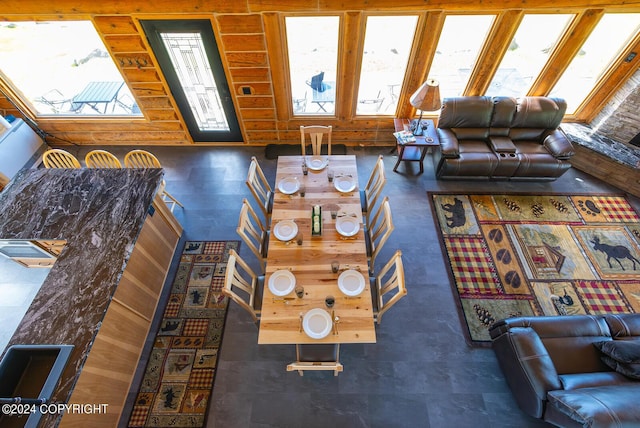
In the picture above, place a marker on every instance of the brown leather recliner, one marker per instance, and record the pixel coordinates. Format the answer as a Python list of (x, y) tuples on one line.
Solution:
[(502, 138), (557, 374)]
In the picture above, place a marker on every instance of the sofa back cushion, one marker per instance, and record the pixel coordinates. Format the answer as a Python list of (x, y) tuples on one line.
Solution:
[(468, 117), (569, 340), (504, 108), (624, 327), (539, 112), (535, 117)]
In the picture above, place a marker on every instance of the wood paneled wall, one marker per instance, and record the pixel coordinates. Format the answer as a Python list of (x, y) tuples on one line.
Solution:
[(252, 49)]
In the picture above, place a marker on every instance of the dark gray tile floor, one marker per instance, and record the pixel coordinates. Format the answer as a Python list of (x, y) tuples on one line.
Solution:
[(420, 373)]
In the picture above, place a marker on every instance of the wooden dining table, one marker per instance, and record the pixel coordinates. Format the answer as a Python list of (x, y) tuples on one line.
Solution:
[(310, 262)]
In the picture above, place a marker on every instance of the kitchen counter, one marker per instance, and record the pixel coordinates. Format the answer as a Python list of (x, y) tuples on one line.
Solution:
[(100, 213)]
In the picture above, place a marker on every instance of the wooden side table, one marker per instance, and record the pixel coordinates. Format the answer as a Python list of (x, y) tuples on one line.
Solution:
[(415, 151)]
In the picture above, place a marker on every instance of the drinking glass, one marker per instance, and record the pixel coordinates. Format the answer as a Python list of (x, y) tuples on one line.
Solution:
[(329, 301), (335, 266)]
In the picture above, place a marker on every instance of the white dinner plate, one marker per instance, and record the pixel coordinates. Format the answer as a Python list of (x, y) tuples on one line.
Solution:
[(317, 323), (282, 282), (347, 225), (289, 185), (317, 163), (351, 282), (285, 230), (344, 184)]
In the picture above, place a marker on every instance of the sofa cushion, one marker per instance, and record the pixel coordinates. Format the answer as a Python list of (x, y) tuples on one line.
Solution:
[(588, 380), (539, 112), (503, 110), (466, 112), (602, 406), (475, 159), (623, 325), (625, 351), (622, 356), (536, 135)]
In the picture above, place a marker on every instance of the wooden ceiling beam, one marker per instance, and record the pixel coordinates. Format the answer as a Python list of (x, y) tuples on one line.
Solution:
[(29, 9)]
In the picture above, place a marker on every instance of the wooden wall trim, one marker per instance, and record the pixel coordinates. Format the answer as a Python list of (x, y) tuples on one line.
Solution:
[(351, 40), (567, 48), (620, 73), (426, 43), (276, 46), (498, 41)]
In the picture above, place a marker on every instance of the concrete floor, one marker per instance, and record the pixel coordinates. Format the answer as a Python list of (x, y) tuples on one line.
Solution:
[(420, 373)]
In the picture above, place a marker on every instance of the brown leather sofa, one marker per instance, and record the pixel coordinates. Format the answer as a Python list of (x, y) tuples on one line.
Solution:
[(557, 374), (502, 138)]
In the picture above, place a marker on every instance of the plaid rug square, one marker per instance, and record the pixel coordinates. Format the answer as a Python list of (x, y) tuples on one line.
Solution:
[(179, 376), (534, 255)]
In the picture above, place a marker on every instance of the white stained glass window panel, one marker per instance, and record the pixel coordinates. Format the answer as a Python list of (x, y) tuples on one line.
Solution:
[(387, 45), (611, 35), (460, 42), (312, 44), (189, 59), (51, 63), (530, 49)]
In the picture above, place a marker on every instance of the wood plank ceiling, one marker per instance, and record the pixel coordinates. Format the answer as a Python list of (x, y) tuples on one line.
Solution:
[(251, 42)]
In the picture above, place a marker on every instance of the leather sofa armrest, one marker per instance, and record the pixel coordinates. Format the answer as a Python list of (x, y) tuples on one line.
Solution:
[(502, 144), (448, 143), (527, 367), (559, 145)]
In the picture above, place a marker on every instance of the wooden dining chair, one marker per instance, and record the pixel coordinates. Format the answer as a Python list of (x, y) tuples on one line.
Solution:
[(320, 356), (253, 233), (316, 135), (58, 158), (389, 286), (260, 189), (101, 159), (141, 159), (378, 231), (373, 189), (144, 159), (243, 286)]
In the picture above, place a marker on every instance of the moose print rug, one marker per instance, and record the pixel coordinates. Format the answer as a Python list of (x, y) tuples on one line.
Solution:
[(525, 255)]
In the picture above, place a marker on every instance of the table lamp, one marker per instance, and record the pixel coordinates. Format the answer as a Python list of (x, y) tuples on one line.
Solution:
[(426, 98)]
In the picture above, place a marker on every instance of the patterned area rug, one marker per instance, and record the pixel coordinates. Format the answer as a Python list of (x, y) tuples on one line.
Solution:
[(179, 376), (523, 255)]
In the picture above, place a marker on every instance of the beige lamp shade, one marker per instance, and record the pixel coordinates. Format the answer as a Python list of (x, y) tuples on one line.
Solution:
[(427, 97)]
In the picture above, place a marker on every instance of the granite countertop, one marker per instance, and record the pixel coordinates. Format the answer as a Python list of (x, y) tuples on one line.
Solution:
[(99, 212), (587, 137)]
